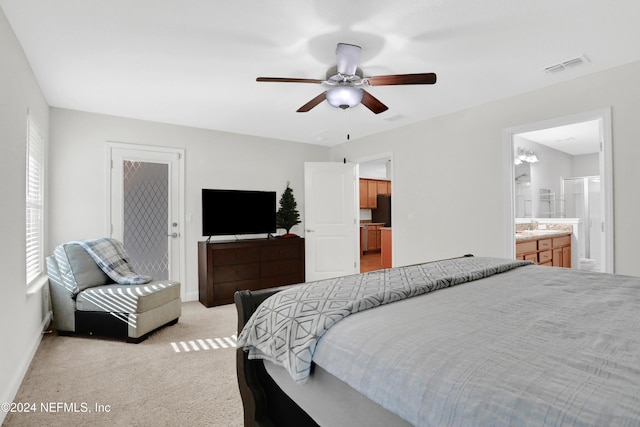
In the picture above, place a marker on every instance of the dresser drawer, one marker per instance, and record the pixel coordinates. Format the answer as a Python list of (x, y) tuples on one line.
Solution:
[(559, 242), (526, 247), (279, 268), (544, 257), (235, 256), (544, 244), (223, 292), (232, 273), (274, 281), (279, 252)]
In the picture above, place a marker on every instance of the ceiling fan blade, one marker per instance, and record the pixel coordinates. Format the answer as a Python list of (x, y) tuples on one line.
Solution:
[(403, 79), (315, 101), (348, 58), (287, 80), (372, 103)]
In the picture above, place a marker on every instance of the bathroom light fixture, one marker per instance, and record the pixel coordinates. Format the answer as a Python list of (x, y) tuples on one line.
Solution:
[(344, 96), (525, 155)]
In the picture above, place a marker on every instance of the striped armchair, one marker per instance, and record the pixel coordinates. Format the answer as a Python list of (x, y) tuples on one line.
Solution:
[(86, 300)]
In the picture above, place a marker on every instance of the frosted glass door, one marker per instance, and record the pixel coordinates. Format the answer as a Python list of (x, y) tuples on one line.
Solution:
[(146, 209), (146, 214)]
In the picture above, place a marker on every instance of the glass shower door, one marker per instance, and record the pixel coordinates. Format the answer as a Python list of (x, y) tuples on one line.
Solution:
[(582, 199), (595, 221)]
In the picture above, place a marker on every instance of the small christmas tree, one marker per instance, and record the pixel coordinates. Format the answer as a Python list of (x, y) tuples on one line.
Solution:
[(287, 216)]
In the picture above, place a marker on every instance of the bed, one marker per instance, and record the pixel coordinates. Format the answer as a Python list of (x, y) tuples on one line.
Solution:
[(459, 342)]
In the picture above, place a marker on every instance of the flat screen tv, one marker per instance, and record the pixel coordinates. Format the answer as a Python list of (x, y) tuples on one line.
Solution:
[(230, 212)]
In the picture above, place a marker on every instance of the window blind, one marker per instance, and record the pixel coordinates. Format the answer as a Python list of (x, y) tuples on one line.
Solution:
[(34, 201)]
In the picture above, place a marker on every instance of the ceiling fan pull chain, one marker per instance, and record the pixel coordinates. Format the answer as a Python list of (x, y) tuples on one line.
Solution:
[(347, 123)]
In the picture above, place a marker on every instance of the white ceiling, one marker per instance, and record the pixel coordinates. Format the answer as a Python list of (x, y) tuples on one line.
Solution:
[(194, 62), (575, 139)]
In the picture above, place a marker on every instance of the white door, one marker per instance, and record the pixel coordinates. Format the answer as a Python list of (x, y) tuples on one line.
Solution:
[(145, 208), (331, 220)]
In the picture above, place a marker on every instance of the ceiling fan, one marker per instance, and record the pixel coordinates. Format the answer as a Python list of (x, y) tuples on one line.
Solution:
[(346, 81)]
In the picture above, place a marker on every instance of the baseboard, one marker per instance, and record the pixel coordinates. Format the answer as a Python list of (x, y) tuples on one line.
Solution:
[(191, 296), (14, 385)]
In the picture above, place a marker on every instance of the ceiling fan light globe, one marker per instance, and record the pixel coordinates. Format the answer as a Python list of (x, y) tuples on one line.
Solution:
[(344, 96)]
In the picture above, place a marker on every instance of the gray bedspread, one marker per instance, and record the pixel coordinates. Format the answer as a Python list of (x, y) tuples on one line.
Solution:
[(534, 346), (286, 327)]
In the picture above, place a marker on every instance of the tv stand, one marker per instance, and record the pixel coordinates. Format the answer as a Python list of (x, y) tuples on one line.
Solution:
[(225, 267)]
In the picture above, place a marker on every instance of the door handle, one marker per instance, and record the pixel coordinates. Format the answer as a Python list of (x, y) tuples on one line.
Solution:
[(309, 230), (173, 235)]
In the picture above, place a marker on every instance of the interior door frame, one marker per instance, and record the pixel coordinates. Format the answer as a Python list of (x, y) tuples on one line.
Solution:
[(379, 156), (606, 174), (180, 153)]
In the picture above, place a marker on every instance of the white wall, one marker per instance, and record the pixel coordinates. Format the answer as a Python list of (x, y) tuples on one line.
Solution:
[(78, 187), (21, 315), (586, 165), (449, 193)]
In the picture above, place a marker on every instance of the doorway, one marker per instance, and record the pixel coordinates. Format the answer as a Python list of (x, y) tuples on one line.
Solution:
[(560, 175), (375, 239), (146, 208)]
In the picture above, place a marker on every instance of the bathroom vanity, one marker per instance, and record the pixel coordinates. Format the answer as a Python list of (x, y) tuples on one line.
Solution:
[(544, 247)]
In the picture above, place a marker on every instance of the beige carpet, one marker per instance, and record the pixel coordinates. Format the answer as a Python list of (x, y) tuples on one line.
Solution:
[(105, 382)]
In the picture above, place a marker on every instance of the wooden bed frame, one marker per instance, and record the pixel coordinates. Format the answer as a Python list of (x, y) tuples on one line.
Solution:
[(265, 404)]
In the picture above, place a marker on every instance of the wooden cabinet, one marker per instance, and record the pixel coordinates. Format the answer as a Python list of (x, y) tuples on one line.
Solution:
[(372, 194), (388, 186), (562, 251), (382, 187), (369, 190), (370, 237), (373, 237), (227, 267), (385, 250), (552, 251), (364, 193), (566, 257)]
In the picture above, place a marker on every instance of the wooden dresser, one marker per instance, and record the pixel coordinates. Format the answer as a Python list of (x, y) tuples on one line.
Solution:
[(226, 267)]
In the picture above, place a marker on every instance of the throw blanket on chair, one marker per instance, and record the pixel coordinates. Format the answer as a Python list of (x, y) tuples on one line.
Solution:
[(286, 326), (111, 257)]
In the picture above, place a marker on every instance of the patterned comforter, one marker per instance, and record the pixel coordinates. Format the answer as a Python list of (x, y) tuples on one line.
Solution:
[(286, 327)]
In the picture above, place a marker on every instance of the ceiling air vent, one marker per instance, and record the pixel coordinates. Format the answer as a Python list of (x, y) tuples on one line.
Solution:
[(573, 62)]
